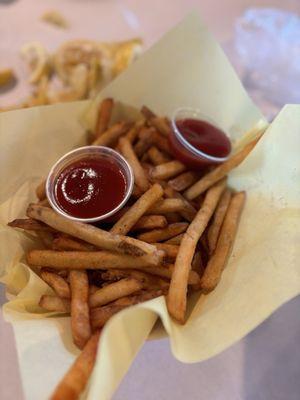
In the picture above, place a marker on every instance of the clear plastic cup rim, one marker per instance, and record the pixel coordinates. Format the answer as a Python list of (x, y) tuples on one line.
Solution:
[(75, 155), (188, 112)]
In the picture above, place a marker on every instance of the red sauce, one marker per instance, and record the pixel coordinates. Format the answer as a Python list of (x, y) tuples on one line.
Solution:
[(90, 187), (202, 136)]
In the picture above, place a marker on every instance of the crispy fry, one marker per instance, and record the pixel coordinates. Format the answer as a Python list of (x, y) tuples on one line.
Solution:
[(40, 191), (149, 222), (161, 143), (104, 116), (175, 240), (147, 112), (112, 134), (156, 156), (149, 281), (57, 283), (66, 243), (144, 142), (75, 380), (99, 316), (139, 297), (89, 233), (219, 172), (30, 225), (139, 174), (132, 216), (159, 235), (54, 304), (168, 205), (46, 238), (183, 181), (161, 125), (167, 170), (217, 263), (176, 300), (114, 291), (189, 211), (91, 260), (133, 133), (217, 220), (80, 320), (173, 217), (136, 192), (170, 250)]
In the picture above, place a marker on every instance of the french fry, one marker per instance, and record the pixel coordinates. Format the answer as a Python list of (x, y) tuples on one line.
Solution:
[(67, 243), (41, 190), (114, 291), (112, 134), (29, 224), (161, 125), (139, 297), (46, 238), (136, 192), (167, 170), (132, 216), (93, 289), (99, 316), (89, 233), (217, 220), (90, 260), (55, 304), (161, 143), (176, 300), (176, 240), (170, 250), (167, 206), (183, 181), (104, 116), (149, 281), (159, 235), (80, 320), (133, 133), (173, 217), (219, 172), (57, 283), (139, 174), (189, 211), (156, 156), (149, 222), (144, 142), (217, 262), (75, 380), (147, 113)]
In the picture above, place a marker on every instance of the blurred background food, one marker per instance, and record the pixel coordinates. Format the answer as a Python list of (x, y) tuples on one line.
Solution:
[(77, 70)]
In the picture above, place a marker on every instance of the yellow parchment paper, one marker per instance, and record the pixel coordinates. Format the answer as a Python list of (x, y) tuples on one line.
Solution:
[(186, 68)]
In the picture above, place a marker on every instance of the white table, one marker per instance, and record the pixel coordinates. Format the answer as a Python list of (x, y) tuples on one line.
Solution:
[(262, 366)]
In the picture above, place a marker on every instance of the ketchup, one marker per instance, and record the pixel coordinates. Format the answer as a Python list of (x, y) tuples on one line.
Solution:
[(90, 187), (203, 136)]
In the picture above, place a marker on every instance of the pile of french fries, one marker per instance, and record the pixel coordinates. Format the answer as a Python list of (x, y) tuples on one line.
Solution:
[(172, 238)]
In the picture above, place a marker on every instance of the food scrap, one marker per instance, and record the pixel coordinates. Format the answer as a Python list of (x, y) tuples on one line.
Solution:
[(55, 18)]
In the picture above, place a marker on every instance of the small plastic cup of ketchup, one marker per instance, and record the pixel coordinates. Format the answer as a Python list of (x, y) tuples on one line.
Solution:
[(89, 184), (196, 140)]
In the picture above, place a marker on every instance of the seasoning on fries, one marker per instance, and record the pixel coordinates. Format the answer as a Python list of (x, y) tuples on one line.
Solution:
[(174, 235)]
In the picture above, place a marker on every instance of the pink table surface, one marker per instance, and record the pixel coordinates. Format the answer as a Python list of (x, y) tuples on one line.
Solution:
[(262, 366)]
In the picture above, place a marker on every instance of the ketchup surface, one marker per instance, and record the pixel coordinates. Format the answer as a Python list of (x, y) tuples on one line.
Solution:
[(90, 187), (202, 136)]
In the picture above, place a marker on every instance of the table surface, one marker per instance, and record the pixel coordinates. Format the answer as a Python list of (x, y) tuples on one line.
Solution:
[(262, 366)]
